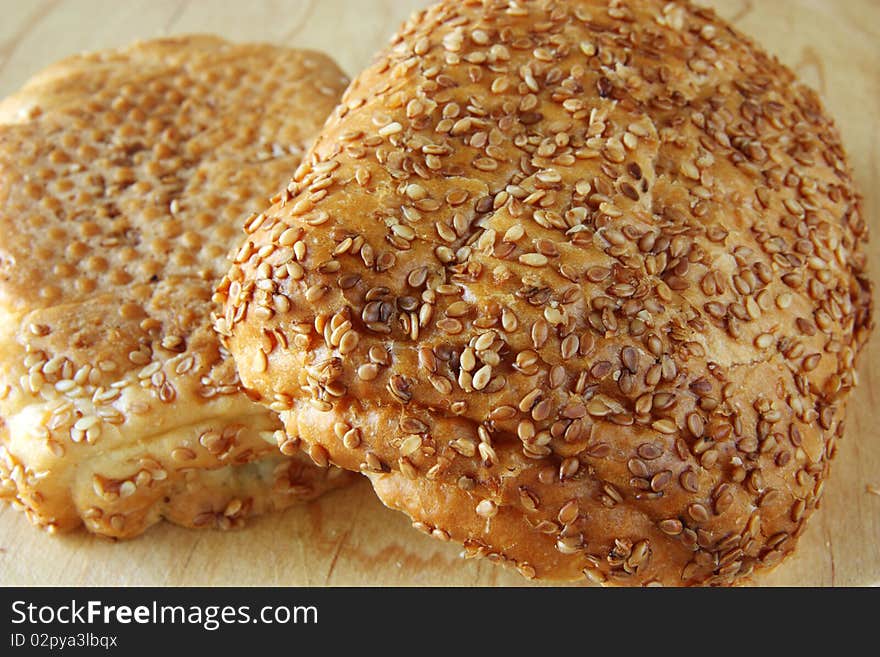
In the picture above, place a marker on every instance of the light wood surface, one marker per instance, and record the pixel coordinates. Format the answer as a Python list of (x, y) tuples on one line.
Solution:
[(349, 538)]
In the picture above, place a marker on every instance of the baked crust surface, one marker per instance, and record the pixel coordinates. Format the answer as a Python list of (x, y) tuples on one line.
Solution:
[(124, 176), (578, 284)]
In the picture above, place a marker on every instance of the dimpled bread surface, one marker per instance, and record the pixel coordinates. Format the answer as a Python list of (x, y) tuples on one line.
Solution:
[(577, 284), (124, 178)]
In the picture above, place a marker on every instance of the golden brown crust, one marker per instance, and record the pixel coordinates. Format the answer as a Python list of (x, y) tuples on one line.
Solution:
[(579, 284), (123, 177)]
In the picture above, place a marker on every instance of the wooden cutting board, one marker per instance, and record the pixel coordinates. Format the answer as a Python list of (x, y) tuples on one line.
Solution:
[(348, 537)]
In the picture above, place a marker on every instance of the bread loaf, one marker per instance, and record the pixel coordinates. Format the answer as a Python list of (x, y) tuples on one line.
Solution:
[(123, 178), (577, 284)]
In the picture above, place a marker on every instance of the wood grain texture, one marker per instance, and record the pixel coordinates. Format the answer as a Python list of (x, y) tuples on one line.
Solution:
[(348, 537)]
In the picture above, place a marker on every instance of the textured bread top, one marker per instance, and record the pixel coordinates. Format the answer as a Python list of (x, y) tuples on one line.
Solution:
[(580, 284), (146, 152), (124, 177)]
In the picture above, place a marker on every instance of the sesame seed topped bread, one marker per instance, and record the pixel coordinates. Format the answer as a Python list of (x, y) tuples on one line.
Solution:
[(578, 284), (124, 177)]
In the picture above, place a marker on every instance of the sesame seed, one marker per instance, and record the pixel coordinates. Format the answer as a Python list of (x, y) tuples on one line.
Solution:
[(664, 426), (410, 445), (404, 232), (587, 48), (698, 512), (315, 292), (390, 129), (468, 360), (485, 341), (533, 259), (481, 377), (352, 439), (348, 342), (319, 455), (289, 236), (672, 526)]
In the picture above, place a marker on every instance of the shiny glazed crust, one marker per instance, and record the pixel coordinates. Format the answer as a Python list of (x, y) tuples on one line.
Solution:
[(124, 176), (578, 284)]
